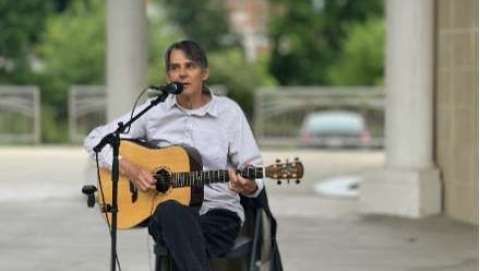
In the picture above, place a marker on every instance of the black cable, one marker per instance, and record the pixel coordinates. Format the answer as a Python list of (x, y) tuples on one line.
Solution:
[(104, 206), (135, 105)]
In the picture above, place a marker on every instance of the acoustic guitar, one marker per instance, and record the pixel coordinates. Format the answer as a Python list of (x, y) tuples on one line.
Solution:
[(179, 176)]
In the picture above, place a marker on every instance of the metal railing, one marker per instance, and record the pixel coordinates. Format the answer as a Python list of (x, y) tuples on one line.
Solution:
[(20, 114), (279, 112), (86, 110)]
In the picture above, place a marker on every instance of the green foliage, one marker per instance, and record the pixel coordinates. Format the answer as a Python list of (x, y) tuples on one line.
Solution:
[(73, 52), (203, 21), (54, 125), (307, 36), (313, 42), (229, 67), (361, 61), (21, 24), (161, 34)]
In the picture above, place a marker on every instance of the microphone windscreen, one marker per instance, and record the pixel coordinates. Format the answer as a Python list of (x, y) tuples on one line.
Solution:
[(174, 88)]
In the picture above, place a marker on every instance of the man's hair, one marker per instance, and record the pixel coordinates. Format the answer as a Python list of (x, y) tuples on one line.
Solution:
[(192, 50)]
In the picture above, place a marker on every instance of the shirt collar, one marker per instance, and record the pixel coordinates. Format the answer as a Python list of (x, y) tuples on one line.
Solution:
[(210, 108)]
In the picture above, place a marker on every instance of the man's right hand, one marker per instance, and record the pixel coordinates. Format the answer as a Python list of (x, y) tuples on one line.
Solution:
[(142, 178)]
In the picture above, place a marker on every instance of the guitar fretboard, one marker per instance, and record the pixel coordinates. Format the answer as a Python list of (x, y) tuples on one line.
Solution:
[(199, 178)]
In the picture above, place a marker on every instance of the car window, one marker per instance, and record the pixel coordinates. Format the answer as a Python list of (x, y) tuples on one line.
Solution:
[(335, 123)]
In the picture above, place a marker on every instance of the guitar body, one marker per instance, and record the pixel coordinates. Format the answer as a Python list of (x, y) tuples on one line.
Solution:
[(136, 206)]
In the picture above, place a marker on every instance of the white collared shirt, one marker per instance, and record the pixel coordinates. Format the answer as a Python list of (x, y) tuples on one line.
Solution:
[(219, 131)]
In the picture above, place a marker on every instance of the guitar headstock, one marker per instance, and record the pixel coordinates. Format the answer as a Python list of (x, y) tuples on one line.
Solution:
[(287, 170)]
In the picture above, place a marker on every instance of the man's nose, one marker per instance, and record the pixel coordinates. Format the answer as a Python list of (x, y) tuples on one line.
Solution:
[(183, 72)]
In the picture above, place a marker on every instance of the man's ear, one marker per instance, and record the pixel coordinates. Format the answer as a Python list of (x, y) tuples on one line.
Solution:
[(205, 74)]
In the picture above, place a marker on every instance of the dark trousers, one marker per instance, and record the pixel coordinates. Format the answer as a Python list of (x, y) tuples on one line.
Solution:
[(192, 239)]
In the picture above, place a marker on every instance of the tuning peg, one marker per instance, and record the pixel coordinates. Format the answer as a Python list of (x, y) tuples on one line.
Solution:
[(295, 161), (297, 181)]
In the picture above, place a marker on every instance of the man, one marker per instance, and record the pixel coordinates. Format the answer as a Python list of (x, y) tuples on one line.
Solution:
[(218, 129)]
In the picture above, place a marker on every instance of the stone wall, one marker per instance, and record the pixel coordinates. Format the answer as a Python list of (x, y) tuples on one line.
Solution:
[(456, 106)]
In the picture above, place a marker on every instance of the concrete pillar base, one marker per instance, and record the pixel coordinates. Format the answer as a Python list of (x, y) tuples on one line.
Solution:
[(401, 192)]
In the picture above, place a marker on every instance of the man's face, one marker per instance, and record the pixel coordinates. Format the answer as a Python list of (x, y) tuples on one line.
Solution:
[(184, 70)]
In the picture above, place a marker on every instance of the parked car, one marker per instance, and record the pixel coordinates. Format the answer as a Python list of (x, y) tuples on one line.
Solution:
[(335, 129)]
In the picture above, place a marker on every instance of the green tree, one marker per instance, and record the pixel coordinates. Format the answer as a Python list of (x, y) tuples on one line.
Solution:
[(206, 23), (230, 68), (362, 59), (72, 52), (307, 36), (161, 34), (203, 21), (21, 24)]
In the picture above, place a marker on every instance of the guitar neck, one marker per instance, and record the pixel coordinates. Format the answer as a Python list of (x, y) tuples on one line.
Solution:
[(200, 178)]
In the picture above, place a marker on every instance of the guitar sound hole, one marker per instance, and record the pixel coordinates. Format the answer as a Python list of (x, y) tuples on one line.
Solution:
[(163, 180)]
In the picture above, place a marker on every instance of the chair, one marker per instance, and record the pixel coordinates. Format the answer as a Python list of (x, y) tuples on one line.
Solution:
[(248, 247)]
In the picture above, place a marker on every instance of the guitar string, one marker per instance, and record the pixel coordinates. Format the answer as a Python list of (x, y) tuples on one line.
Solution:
[(181, 179)]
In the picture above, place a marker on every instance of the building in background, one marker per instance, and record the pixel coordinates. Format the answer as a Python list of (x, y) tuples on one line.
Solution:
[(248, 18)]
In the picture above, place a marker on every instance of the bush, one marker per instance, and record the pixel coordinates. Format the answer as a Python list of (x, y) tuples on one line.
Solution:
[(229, 68), (362, 59)]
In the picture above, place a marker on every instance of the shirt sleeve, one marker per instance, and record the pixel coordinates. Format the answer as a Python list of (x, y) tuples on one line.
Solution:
[(243, 148), (137, 130)]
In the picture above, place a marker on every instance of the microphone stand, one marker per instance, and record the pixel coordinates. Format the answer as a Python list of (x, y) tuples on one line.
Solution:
[(113, 139)]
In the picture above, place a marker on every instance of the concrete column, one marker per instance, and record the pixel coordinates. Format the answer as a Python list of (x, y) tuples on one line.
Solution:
[(409, 185), (126, 54)]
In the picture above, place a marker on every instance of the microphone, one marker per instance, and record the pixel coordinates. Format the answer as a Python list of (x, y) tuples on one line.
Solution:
[(174, 88)]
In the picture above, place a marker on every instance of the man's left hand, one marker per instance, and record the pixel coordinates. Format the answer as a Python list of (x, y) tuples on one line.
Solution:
[(241, 185)]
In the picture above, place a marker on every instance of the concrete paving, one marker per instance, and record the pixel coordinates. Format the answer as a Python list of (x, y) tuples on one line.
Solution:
[(46, 225)]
